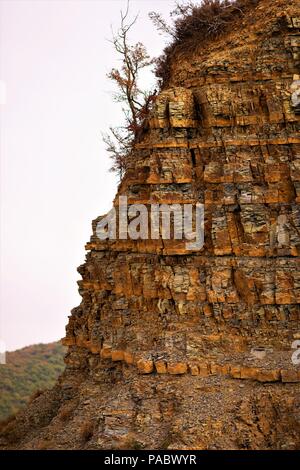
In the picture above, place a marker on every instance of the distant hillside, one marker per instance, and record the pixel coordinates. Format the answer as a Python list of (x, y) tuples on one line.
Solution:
[(26, 371)]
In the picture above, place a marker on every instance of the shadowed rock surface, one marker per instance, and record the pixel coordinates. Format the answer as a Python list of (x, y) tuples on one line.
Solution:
[(172, 348)]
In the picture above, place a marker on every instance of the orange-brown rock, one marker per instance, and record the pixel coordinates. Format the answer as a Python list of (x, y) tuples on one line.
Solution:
[(117, 355), (177, 368), (268, 375), (161, 367), (128, 357), (145, 366)]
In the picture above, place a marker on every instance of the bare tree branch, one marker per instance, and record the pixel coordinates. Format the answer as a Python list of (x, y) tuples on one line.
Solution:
[(134, 58)]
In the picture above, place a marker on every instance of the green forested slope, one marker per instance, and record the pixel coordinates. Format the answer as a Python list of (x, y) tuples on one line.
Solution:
[(26, 371)]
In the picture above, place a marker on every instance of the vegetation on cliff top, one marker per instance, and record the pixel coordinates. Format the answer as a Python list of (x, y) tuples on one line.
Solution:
[(27, 371), (192, 24)]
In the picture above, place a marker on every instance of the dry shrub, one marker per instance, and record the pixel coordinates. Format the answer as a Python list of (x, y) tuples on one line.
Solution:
[(87, 430), (130, 442), (35, 395), (9, 429), (195, 24), (172, 437), (43, 444), (67, 411), (5, 422)]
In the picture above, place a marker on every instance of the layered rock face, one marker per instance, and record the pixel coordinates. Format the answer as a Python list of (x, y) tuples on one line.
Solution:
[(178, 348)]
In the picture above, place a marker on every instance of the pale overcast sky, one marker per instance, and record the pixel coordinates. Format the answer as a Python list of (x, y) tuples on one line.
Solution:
[(54, 56)]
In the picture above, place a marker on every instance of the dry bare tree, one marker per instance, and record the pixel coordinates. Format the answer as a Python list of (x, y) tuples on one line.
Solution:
[(136, 102)]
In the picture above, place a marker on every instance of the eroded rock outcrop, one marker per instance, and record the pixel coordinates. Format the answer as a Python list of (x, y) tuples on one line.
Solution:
[(172, 348)]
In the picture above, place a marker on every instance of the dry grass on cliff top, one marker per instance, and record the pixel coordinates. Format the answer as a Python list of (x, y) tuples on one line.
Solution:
[(195, 24)]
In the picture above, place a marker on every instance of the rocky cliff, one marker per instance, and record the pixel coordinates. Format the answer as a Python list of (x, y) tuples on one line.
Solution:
[(173, 348)]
